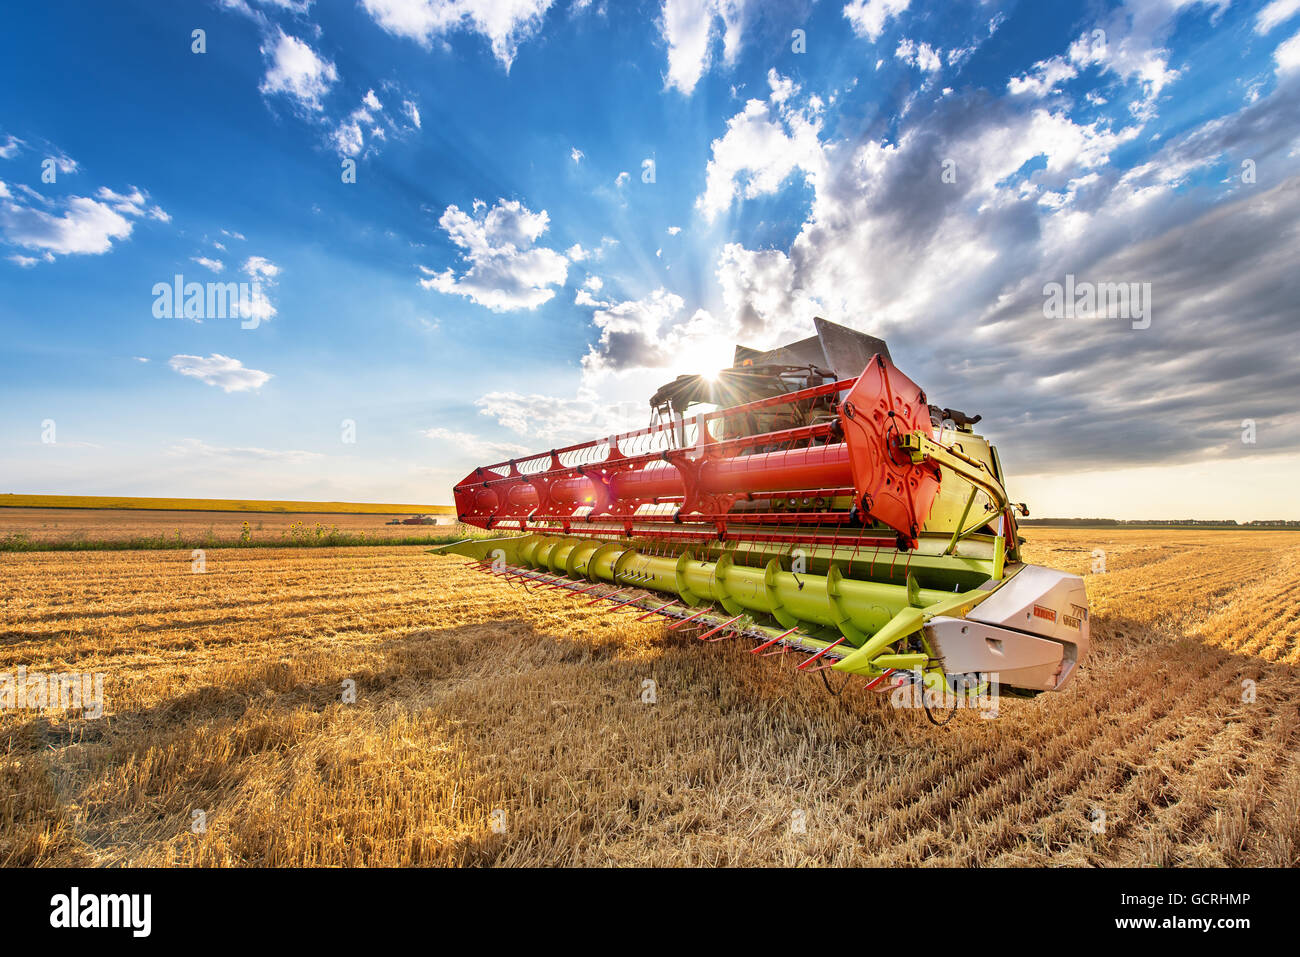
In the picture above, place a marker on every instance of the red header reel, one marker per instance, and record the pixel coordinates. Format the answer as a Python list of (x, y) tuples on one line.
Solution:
[(841, 467)]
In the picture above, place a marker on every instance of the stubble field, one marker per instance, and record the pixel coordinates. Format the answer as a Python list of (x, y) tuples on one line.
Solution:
[(495, 727), (93, 525)]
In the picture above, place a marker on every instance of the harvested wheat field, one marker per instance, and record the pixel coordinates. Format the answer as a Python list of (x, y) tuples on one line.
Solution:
[(479, 705), (91, 525)]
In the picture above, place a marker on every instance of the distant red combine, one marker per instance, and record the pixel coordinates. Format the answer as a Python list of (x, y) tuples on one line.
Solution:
[(413, 520)]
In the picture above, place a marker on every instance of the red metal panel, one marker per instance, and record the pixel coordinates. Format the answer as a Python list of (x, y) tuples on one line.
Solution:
[(883, 405)]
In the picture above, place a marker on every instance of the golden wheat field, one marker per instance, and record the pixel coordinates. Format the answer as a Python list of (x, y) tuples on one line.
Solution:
[(70, 525), (497, 727), (134, 502)]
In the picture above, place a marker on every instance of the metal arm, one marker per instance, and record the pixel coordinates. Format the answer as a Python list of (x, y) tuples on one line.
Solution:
[(921, 447)]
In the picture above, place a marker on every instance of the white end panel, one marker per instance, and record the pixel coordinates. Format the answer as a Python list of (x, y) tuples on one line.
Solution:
[(1008, 657), (1041, 601), (1044, 602)]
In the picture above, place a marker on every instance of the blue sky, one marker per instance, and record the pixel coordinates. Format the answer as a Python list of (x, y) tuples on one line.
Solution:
[(507, 272)]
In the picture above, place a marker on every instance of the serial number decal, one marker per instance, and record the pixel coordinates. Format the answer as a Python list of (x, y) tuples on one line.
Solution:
[(1047, 613), (1071, 622)]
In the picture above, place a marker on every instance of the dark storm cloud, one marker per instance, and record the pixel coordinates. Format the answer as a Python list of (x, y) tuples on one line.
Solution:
[(954, 274)]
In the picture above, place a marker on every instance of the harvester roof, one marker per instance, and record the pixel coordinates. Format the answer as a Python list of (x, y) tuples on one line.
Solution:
[(839, 349), (836, 352)]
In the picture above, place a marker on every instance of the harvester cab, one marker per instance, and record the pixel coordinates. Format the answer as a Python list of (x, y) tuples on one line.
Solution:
[(809, 499)]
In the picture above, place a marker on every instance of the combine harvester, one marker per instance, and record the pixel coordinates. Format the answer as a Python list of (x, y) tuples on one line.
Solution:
[(823, 507)]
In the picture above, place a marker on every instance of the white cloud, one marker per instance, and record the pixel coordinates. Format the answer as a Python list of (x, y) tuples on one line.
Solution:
[(758, 290), (959, 55), (474, 445), (1277, 12), (1043, 78), (690, 28), (632, 330), (674, 230), (922, 56), (196, 448), (11, 147), (764, 144), (506, 270), (348, 137), (578, 253), (1128, 43), (259, 307), (131, 203), (296, 70), (224, 372), (858, 215), (260, 268), (84, 226), (869, 17), (552, 418), (504, 23), (1287, 56), (369, 122), (262, 273), (216, 265), (294, 6), (650, 333)]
